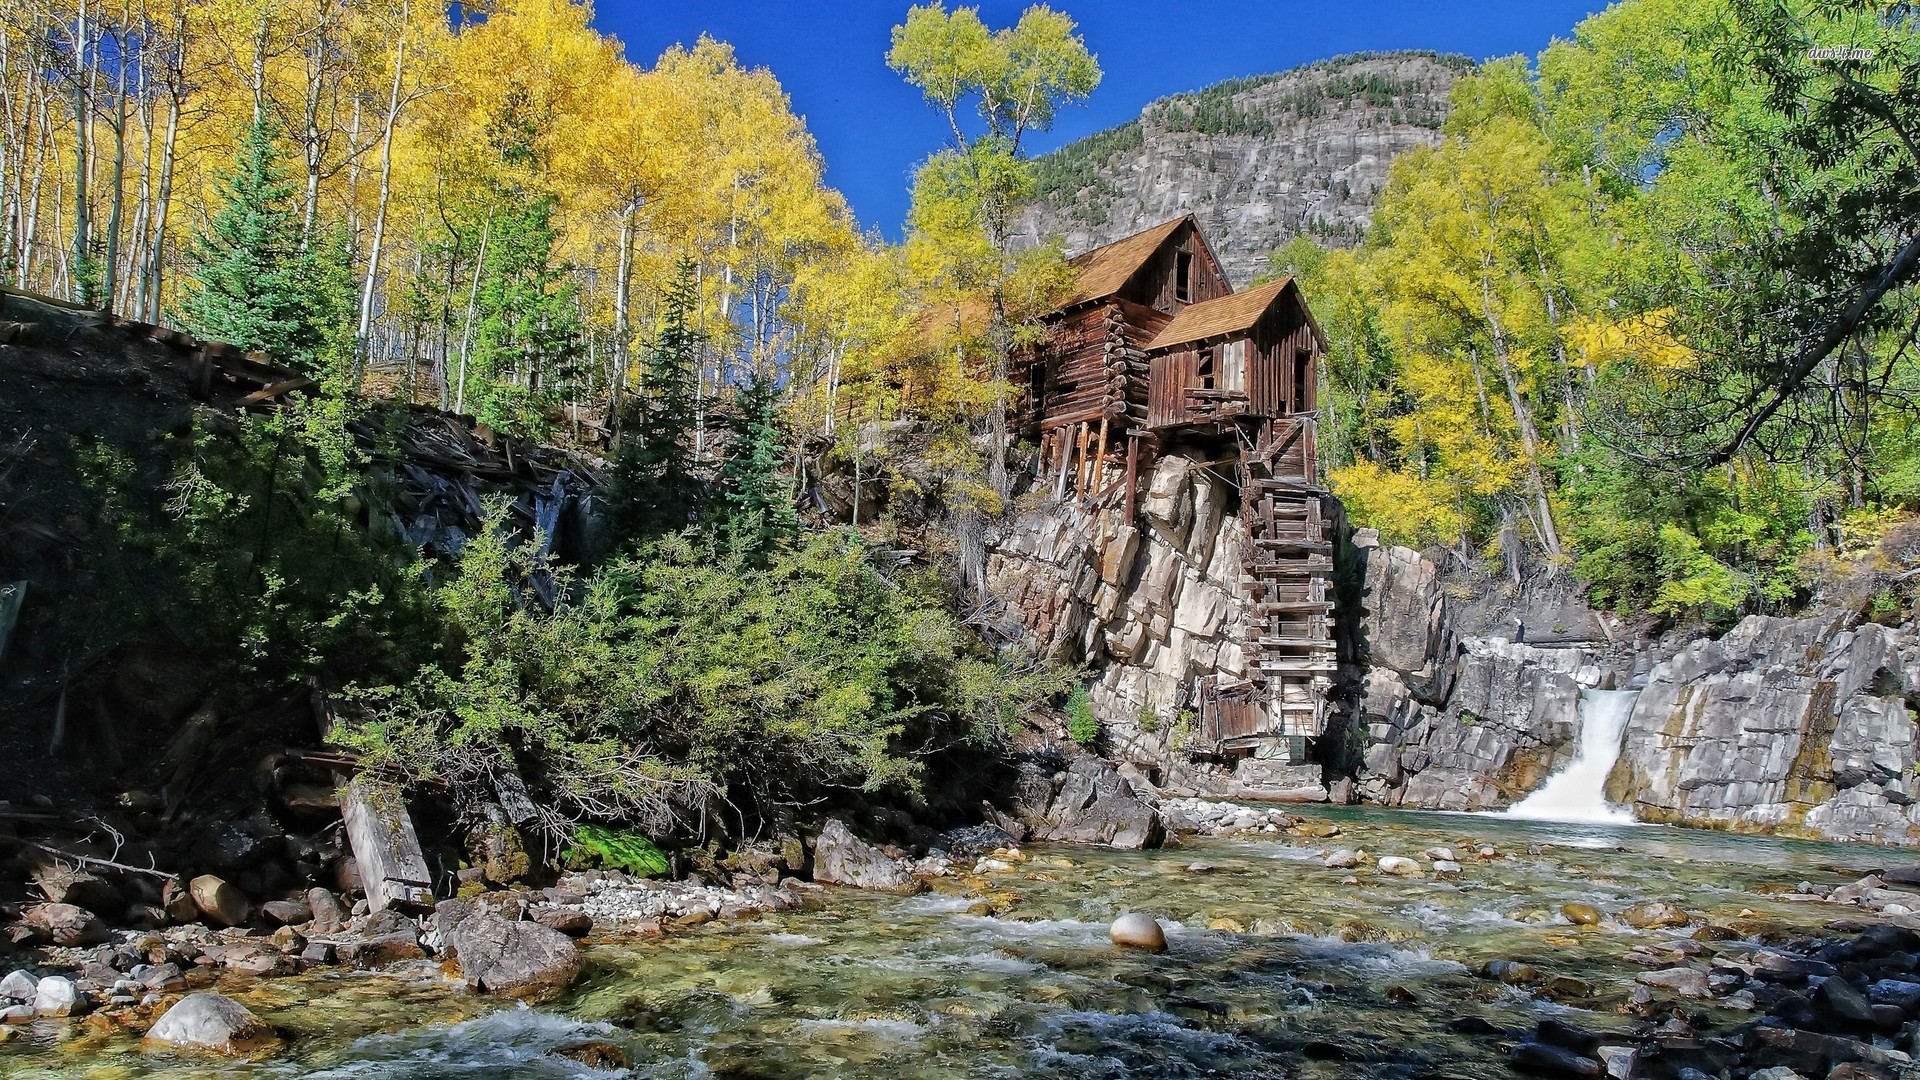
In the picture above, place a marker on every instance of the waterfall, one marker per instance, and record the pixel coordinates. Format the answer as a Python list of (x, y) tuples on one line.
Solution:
[(1578, 792)]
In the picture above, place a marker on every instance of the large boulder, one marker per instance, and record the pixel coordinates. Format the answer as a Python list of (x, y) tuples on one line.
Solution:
[(67, 885), (1089, 803), (841, 858), (514, 958), (210, 1022), (219, 901), (65, 924)]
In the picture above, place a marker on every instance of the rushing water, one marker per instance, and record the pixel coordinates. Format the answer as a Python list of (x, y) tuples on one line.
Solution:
[(1578, 792), (1277, 968)]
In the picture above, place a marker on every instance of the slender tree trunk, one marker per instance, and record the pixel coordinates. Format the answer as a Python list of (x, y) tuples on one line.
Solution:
[(1523, 420), (365, 326), (83, 50), (466, 333), (109, 285), (163, 201), (622, 317)]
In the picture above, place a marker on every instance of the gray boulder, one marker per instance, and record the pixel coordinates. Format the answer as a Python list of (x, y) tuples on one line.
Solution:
[(1090, 803), (514, 958), (209, 1022), (841, 858)]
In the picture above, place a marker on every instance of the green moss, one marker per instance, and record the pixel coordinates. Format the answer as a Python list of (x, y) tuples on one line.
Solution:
[(595, 846)]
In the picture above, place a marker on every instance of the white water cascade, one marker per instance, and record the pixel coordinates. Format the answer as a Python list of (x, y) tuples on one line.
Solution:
[(1578, 792)]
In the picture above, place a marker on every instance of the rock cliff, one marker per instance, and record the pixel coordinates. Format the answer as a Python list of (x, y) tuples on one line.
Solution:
[(1259, 160)]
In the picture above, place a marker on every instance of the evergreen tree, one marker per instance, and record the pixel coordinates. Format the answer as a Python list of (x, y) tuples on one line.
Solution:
[(758, 498), (251, 285), (528, 330), (654, 488)]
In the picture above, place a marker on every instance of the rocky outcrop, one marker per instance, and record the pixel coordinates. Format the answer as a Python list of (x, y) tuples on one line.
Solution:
[(1149, 607), (1799, 726), (1452, 722), (1088, 803), (841, 858)]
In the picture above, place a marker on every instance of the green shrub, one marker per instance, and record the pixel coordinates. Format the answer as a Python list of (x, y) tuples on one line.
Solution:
[(597, 847), (1082, 726)]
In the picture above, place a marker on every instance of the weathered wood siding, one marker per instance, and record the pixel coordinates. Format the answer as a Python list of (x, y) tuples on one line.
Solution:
[(1154, 285)]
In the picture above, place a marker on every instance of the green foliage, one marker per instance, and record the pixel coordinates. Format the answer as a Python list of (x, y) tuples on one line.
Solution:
[(756, 493), (253, 284), (596, 846), (1082, 726), (654, 489), (690, 667), (527, 335)]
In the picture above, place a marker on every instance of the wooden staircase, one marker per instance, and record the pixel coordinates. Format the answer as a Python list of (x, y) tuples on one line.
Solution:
[(1288, 561)]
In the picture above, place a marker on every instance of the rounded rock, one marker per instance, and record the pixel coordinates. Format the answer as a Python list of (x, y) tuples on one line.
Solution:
[(1581, 914), (1136, 931), (209, 1022), (1399, 865), (219, 901)]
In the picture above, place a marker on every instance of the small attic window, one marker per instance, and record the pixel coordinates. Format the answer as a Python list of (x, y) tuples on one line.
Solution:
[(1183, 276)]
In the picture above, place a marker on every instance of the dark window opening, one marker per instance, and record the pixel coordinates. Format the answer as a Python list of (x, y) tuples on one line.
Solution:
[(1203, 370), (1037, 387), (1302, 382), (1183, 276)]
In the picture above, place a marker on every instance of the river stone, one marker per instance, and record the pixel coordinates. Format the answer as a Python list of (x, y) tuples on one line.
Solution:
[(287, 912), (64, 924), (1653, 914), (1136, 931), (1581, 914), (328, 913), (1446, 868), (1089, 803), (209, 1022), (219, 901), (19, 986), (1344, 859), (1539, 1057), (1685, 981), (56, 995), (1439, 854), (1511, 972), (571, 922), (501, 957), (595, 1053), (1843, 1002), (1399, 866), (841, 858)]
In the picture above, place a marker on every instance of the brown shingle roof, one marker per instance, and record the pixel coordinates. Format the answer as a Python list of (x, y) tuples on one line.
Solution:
[(1106, 270), (1229, 314)]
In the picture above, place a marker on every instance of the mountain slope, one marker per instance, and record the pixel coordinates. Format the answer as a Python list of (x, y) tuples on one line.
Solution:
[(1259, 160)]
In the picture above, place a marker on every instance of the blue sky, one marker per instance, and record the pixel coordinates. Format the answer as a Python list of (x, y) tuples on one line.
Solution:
[(873, 128)]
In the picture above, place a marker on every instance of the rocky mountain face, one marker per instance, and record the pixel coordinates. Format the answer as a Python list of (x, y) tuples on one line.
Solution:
[(1258, 160), (1802, 727)]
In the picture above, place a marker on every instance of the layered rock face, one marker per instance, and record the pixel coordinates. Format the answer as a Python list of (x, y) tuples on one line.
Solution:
[(1451, 722), (1150, 607), (1798, 726)]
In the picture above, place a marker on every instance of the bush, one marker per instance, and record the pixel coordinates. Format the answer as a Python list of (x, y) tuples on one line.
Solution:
[(1082, 726)]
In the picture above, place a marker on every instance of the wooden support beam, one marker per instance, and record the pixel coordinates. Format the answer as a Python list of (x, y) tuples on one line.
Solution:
[(1100, 462), (1133, 473)]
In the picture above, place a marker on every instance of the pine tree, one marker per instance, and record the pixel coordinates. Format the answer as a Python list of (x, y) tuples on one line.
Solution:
[(250, 279), (654, 487), (528, 334), (758, 498)]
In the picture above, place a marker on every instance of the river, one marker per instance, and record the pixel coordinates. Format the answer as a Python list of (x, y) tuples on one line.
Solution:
[(1276, 968)]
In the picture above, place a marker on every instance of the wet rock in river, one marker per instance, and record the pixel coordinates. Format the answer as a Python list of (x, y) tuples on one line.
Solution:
[(595, 1053), (1685, 981), (1653, 914), (1842, 1003), (19, 986), (1344, 859), (569, 921), (840, 858), (1136, 931), (516, 958), (210, 1022), (1446, 868), (56, 995), (1089, 803), (1511, 972), (1553, 1061), (1581, 914), (1399, 866)]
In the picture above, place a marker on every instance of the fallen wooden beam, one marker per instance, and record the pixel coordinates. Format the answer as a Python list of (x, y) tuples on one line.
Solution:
[(393, 869)]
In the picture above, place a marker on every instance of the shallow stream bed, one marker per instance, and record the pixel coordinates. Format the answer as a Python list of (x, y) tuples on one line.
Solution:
[(1275, 968)]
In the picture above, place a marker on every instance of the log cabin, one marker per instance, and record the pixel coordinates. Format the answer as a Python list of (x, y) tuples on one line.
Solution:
[(1154, 351)]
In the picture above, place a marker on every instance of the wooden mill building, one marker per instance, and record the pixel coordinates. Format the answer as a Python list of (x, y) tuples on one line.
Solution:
[(1155, 350)]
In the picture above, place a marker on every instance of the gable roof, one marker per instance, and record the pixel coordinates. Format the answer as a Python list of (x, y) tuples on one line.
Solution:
[(1230, 314), (1106, 270)]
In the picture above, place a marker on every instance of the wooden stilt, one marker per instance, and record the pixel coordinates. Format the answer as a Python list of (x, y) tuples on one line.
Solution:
[(1100, 461), (1133, 472)]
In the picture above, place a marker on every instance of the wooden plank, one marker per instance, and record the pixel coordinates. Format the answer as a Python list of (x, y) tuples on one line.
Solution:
[(393, 869)]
